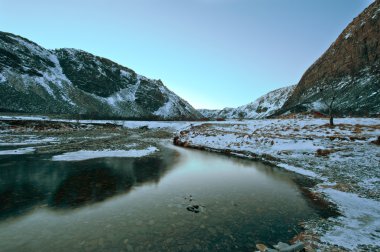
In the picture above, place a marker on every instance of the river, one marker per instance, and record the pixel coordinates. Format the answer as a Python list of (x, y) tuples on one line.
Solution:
[(179, 200)]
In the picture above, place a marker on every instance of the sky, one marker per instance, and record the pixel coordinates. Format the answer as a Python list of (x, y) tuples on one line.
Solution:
[(212, 53)]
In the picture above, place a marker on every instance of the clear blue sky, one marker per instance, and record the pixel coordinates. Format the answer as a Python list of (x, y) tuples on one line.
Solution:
[(213, 53)]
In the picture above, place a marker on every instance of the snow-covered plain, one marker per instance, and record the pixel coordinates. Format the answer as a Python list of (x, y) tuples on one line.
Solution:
[(342, 158)]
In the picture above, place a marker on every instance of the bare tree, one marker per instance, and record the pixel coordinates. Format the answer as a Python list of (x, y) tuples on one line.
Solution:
[(330, 93)]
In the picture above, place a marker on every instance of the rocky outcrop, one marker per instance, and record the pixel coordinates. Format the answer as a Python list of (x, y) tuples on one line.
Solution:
[(348, 70), (70, 81)]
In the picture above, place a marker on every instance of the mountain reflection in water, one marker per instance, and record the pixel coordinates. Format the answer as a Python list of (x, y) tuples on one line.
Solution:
[(35, 181)]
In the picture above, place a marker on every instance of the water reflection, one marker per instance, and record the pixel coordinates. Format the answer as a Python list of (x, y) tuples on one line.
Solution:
[(89, 186), (35, 180), (17, 199)]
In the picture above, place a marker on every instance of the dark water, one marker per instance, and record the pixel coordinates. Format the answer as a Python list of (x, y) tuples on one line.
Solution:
[(125, 204)]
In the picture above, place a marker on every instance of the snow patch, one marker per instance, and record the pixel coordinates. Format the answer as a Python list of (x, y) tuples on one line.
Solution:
[(42, 82), (2, 78), (370, 183), (298, 170), (124, 73), (18, 151), (85, 154), (32, 47), (52, 75), (375, 14), (37, 118), (29, 141), (348, 35), (126, 94), (302, 145), (165, 110), (100, 70), (56, 73)]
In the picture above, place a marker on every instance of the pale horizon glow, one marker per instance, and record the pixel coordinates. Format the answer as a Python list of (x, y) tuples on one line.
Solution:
[(212, 53)]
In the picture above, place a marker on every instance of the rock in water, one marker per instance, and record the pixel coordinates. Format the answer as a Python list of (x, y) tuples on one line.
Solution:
[(261, 247)]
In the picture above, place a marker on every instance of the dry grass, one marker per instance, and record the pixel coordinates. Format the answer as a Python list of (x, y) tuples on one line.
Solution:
[(325, 152), (377, 142)]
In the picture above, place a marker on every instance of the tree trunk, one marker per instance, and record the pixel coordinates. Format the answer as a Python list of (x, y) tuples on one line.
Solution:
[(331, 115), (331, 120)]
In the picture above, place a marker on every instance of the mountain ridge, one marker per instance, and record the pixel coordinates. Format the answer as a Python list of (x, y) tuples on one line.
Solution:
[(71, 81), (263, 107)]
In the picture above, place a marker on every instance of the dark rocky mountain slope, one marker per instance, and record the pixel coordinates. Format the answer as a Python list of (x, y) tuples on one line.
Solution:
[(70, 81), (348, 70)]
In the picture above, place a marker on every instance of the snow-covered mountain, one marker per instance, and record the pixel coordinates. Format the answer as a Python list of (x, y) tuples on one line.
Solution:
[(210, 113), (263, 107), (69, 81), (349, 71)]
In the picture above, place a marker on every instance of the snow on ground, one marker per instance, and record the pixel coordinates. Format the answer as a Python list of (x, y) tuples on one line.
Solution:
[(18, 151), (36, 117), (360, 223), (85, 154), (342, 157), (173, 125), (298, 170)]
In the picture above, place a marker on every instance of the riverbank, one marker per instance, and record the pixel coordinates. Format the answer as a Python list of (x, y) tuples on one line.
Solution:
[(344, 159), (45, 136)]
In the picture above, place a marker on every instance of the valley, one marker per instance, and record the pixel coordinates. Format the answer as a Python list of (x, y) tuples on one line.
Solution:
[(96, 157)]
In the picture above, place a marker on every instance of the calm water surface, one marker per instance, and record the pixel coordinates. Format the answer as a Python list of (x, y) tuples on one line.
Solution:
[(125, 204)]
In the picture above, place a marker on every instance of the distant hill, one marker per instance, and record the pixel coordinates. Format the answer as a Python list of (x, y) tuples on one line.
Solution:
[(349, 70), (69, 81), (263, 107)]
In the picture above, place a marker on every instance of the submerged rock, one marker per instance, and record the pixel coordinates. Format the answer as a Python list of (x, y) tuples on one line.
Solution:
[(282, 247), (193, 208)]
